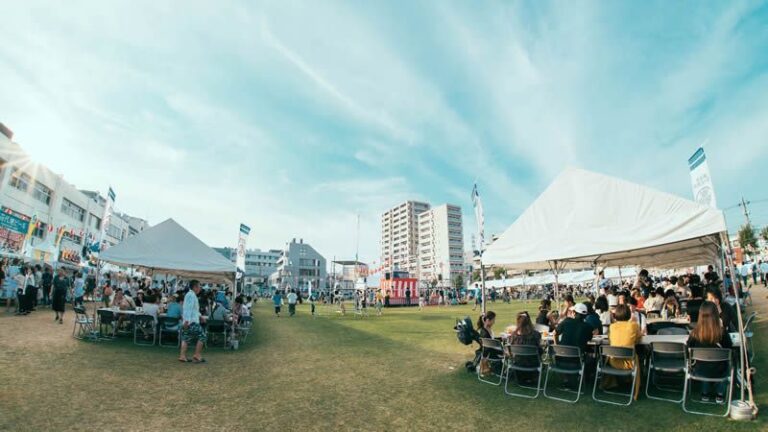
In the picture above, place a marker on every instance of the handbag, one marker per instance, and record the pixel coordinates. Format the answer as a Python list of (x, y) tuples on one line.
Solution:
[(485, 367)]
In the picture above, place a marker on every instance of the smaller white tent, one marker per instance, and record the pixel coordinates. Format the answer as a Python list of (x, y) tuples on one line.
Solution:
[(584, 219), (169, 248)]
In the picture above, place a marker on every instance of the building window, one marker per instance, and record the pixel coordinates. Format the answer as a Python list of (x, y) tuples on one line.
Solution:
[(95, 222), (20, 180), (40, 230), (115, 232), (73, 210), (42, 193)]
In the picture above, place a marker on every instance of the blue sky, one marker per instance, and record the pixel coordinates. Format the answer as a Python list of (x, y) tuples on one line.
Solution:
[(293, 117)]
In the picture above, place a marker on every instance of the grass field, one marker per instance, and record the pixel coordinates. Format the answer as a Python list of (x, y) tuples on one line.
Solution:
[(401, 371)]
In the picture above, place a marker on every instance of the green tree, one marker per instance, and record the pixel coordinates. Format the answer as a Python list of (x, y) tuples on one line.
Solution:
[(764, 233), (498, 272), (747, 237), (458, 282)]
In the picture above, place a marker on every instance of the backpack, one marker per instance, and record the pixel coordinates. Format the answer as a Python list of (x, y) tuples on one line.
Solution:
[(465, 332)]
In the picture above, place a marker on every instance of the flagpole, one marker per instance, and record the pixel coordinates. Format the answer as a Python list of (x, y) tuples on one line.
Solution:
[(482, 283)]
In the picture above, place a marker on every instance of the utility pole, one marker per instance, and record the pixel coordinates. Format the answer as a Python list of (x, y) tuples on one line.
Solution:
[(743, 204)]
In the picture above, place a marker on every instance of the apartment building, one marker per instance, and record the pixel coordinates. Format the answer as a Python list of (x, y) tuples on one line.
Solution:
[(441, 245), (399, 237)]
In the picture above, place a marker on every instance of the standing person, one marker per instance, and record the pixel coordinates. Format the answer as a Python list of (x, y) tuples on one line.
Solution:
[(106, 292), (191, 331), (47, 284), (292, 298), (59, 296), (421, 301), (28, 295), (764, 273), (38, 286), (407, 296), (754, 273), (386, 299), (379, 302), (277, 300), (78, 291)]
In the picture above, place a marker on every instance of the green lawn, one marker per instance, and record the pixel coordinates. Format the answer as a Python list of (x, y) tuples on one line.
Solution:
[(401, 371)]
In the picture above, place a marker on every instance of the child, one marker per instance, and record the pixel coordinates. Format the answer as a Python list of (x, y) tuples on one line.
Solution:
[(312, 300)]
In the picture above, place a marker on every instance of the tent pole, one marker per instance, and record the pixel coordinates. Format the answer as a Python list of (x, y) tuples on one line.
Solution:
[(743, 357), (482, 286), (621, 280), (557, 287)]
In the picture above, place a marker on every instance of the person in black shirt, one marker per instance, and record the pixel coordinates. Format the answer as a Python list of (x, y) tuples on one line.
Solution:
[(574, 331), (47, 283), (407, 296)]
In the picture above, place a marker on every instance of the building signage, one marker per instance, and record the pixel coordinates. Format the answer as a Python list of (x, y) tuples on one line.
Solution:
[(13, 223)]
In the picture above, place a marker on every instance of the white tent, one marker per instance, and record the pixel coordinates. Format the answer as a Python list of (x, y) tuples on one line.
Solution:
[(169, 248), (584, 219)]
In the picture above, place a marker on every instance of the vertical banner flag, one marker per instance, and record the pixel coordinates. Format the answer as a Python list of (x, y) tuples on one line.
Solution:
[(242, 239), (703, 191), (479, 217), (107, 218)]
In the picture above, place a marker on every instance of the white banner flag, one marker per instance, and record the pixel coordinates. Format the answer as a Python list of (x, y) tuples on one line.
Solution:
[(107, 217), (241, 241), (703, 191), (479, 217)]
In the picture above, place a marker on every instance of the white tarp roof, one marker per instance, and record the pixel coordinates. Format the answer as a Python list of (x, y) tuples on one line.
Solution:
[(585, 218), (169, 248)]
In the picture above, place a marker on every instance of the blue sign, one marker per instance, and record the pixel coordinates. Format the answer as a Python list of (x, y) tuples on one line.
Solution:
[(14, 223)]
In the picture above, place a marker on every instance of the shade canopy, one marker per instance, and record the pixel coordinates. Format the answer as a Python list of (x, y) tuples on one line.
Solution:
[(169, 248), (584, 218)]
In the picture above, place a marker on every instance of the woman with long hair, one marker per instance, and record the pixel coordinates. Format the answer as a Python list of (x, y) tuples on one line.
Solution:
[(709, 333), (525, 334), (485, 324)]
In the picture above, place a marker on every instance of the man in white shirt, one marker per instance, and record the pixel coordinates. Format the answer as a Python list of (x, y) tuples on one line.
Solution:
[(292, 298), (191, 331)]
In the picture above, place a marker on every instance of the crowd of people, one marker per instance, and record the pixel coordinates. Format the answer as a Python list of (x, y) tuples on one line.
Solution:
[(621, 313)]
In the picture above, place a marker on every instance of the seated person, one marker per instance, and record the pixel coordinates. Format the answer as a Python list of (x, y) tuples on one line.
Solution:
[(150, 307), (174, 306), (671, 307), (220, 313), (637, 316), (626, 333), (485, 331), (725, 311), (655, 302), (543, 312), (709, 333), (611, 297), (593, 319), (567, 305), (604, 312), (696, 299), (524, 334), (573, 331), (638, 296)]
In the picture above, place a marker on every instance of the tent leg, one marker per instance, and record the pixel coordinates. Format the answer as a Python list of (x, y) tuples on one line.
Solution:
[(746, 383)]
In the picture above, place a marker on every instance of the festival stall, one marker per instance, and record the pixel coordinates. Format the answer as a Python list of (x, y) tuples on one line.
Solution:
[(587, 219)]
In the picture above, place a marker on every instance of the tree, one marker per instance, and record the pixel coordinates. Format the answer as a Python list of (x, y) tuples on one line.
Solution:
[(498, 272), (476, 276), (747, 237), (458, 282), (764, 233)]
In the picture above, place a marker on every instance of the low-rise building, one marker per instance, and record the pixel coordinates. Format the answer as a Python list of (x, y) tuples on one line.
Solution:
[(300, 265)]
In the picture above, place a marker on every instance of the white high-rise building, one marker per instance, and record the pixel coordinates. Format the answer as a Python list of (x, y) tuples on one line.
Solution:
[(399, 237), (441, 245)]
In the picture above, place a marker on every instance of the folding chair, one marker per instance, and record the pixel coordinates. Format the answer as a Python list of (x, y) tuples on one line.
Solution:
[(215, 328), (668, 358), (700, 356), (144, 324), (604, 368), (106, 322), (169, 326), (526, 359), (84, 326), (672, 331), (565, 360), (244, 327), (493, 353)]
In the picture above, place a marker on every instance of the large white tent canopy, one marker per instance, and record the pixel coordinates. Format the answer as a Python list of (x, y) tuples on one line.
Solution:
[(587, 219), (169, 248)]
